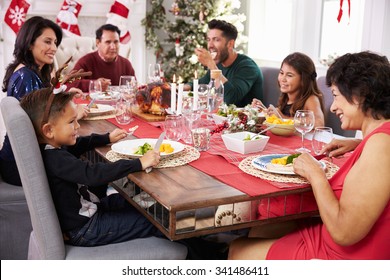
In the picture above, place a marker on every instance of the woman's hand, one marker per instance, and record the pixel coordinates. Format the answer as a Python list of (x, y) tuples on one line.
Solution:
[(308, 167), (256, 103), (82, 111), (117, 134), (338, 147), (79, 92), (151, 158)]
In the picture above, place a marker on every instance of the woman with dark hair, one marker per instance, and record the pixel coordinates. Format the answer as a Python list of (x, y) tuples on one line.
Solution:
[(354, 205), (35, 47), (298, 85)]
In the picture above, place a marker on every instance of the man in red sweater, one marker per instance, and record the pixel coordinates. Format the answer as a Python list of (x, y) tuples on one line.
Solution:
[(105, 64)]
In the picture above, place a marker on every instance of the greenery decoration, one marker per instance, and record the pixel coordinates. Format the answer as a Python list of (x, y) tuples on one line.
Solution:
[(175, 40)]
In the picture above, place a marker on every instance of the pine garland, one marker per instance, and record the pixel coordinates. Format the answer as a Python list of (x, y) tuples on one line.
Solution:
[(189, 28)]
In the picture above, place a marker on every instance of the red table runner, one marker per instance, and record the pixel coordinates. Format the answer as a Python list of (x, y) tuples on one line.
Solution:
[(223, 165)]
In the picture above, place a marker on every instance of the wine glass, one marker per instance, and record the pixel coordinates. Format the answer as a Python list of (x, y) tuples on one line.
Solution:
[(321, 137), (173, 127), (95, 88), (303, 123), (154, 72), (202, 92), (128, 87)]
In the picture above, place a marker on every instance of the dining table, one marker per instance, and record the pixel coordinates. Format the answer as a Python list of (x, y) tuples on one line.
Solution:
[(196, 193)]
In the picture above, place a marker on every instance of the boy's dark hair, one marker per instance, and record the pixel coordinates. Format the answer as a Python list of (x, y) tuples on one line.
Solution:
[(108, 27), (364, 76), (35, 104), (229, 31)]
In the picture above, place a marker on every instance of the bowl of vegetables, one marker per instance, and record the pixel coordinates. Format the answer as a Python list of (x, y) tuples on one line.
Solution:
[(282, 127)]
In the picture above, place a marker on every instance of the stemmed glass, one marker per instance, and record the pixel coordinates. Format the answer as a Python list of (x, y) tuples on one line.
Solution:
[(128, 87), (173, 127), (154, 72), (321, 137), (202, 92), (95, 88), (303, 123)]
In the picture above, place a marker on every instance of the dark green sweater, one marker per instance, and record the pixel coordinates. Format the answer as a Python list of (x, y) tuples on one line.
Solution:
[(245, 81)]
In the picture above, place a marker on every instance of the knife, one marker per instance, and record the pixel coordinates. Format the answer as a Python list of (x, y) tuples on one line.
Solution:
[(156, 148), (91, 103)]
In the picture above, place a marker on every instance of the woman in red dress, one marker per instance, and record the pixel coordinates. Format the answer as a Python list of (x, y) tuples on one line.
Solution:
[(354, 205)]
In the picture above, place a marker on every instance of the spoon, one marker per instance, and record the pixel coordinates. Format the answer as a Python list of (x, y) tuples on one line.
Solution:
[(262, 131), (276, 111)]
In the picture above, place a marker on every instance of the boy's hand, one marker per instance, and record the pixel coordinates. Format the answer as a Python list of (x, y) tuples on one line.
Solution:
[(117, 134), (151, 158)]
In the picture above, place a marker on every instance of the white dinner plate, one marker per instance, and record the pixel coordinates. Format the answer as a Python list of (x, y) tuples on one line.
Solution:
[(101, 109), (129, 147), (264, 163), (100, 96)]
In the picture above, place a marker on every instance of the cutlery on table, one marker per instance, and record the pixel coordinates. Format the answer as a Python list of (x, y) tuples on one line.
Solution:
[(262, 131), (91, 104), (131, 130), (276, 111), (157, 148)]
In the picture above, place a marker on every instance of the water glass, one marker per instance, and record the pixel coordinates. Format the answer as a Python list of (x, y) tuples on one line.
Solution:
[(173, 127), (201, 138), (189, 120), (128, 87), (95, 88), (123, 113), (303, 123), (321, 137), (154, 73), (114, 92)]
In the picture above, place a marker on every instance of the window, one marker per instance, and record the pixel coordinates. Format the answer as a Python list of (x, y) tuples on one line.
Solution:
[(345, 36), (277, 28)]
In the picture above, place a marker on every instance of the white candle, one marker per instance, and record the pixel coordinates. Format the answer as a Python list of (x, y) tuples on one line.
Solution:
[(180, 99), (173, 95), (196, 96)]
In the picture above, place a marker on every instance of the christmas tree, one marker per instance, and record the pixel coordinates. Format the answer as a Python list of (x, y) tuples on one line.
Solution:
[(187, 31)]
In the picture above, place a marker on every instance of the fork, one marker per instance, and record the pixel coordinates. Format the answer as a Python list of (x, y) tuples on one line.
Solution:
[(131, 130)]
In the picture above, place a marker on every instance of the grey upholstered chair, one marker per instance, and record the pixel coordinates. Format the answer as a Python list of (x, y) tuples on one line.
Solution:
[(15, 223), (46, 241), (271, 91), (331, 119)]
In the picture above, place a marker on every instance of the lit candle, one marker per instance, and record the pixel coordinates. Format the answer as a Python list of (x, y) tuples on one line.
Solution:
[(180, 99), (173, 95), (196, 96)]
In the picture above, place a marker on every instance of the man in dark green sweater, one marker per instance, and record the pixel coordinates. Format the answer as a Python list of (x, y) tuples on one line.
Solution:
[(242, 78)]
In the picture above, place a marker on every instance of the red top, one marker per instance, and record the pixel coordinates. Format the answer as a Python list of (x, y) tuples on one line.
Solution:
[(102, 69), (314, 241)]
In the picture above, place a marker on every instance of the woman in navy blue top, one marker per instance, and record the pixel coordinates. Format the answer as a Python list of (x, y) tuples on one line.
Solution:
[(35, 47)]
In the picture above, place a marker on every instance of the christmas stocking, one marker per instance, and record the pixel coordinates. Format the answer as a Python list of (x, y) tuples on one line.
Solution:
[(67, 18), (117, 16), (16, 14)]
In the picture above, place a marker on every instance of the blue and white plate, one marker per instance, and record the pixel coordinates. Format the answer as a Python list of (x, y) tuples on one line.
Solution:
[(263, 163)]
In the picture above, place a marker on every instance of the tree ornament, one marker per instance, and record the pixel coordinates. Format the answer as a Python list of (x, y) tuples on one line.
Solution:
[(179, 49), (175, 9), (67, 17)]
